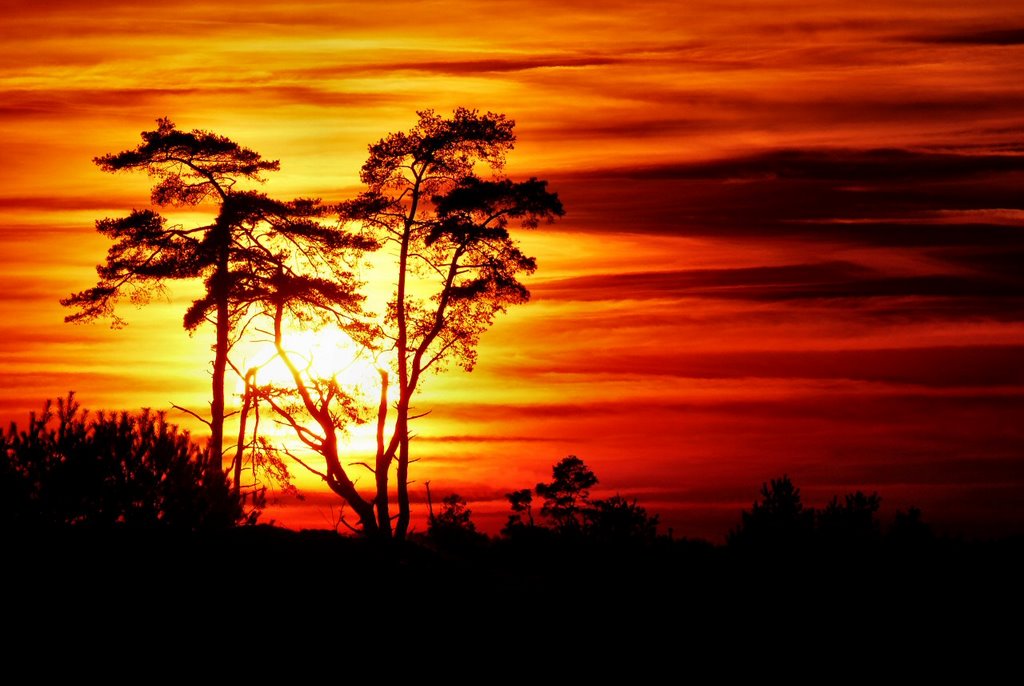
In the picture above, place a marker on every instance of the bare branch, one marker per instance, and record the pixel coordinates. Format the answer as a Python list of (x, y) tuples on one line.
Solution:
[(190, 412), (301, 462)]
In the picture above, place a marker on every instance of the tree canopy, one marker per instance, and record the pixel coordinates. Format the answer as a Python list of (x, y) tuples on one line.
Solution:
[(257, 252)]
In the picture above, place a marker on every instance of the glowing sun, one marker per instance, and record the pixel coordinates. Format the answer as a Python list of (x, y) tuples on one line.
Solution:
[(325, 354)]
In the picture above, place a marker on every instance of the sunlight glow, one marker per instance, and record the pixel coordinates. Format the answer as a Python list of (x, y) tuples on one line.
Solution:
[(324, 354)]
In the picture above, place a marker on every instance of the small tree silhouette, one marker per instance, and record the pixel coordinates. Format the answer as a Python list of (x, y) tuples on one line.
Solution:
[(521, 519), (909, 530), (778, 521), (618, 520), (567, 496), (454, 514), (453, 525), (851, 521)]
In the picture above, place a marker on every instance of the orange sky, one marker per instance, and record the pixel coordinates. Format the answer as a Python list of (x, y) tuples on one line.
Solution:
[(792, 243)]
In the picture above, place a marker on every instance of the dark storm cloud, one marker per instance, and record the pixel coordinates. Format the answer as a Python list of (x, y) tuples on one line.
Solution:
[(884, 197), (1006, 263), (987, 408), (846, 165), (483, 438), (469, 67), (1003, 36), (62, 102), (788, 282), (811, 110), (47, 203), (968, 366), (647, 128)]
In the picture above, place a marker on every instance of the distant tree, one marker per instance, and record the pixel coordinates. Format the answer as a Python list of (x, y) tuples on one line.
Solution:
[(454, 514), (909, 530), (521, 518), (110, 470), (567, 496), (852, 520), (457, 265), (453, 525), (778, 521), (618, 520)]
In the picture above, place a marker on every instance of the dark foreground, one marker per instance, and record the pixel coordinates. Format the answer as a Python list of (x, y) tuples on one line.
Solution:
[(309, 569), (281, 599)]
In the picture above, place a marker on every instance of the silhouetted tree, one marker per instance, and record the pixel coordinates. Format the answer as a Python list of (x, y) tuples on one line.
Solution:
[(107, 470), (778, 521), (457, 265), (453, 524), (618, 520), (909, 530), (454, 514), (252, 240), (192, 168), (521, 502), (850, 521), (567, 496)]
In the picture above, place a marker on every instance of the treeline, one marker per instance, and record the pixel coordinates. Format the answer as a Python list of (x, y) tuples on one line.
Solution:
[(68, 468), (567, 513), (777, 522)]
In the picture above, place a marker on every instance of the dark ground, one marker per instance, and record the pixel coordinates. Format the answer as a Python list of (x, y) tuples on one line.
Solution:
[(308, 568)]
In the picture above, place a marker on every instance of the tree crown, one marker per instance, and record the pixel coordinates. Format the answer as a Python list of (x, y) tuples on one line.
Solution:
[(439, 149), (192, 166)]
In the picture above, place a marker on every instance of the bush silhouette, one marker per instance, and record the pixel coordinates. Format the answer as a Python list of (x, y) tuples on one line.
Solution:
[(618, 520), (453, 525), (70, 469)]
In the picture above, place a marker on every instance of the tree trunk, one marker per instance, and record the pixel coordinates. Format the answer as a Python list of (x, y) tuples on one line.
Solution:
[(383, 462), (247, 401), (402, 475), (220, 361), (402, 349), (339, 482)]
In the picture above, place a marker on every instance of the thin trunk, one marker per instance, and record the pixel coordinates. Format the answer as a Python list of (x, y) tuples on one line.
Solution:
[(240, 446), (339, 482), (408, 387), (220, 360), (402, 345), (383, 462), (430, 505), (402, 473)]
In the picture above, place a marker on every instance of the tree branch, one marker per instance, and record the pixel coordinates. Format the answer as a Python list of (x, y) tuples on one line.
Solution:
[(190, 412)]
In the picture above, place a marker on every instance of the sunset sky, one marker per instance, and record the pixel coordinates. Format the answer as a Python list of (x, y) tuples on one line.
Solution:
[(793, 239)]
